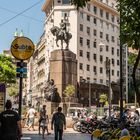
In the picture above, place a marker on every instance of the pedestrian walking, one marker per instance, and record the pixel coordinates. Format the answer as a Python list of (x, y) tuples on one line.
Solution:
[(31, 117), (59, 123), (10, 123), (43, 119)]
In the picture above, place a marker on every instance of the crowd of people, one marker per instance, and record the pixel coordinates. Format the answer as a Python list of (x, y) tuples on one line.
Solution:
[(11, 124)]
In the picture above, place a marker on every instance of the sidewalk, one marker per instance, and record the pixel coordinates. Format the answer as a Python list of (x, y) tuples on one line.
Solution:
[(25, 131)]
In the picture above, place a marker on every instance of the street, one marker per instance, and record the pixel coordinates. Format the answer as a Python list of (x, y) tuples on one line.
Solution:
[(69, 134)]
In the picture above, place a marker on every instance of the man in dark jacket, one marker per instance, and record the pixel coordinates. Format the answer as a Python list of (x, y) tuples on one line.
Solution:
[(59, 122), (10, 123)]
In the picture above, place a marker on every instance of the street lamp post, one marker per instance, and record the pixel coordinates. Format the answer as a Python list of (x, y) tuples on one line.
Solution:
[(109, 86), (89, 95)]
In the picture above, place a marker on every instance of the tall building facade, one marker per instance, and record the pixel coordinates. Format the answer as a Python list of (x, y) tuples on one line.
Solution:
[(95, 39), (95, 36)]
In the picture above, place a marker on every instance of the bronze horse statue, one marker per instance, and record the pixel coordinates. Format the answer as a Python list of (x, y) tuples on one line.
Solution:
[(61, 35)]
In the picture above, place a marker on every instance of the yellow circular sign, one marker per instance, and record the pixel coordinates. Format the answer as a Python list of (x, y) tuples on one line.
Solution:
[(22, 48)]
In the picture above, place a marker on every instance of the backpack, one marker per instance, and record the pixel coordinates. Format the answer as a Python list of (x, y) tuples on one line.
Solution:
[(59, 120)]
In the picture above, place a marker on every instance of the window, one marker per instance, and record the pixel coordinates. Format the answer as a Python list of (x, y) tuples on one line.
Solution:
[(88, 7), (101, 23), (118, 52), (101, 12), (101, 70), (81, 53), (101, 81), (107, 82), (113, 28), (112, 61), (94, 56), (95, 69), (101, 58), (88, 55), (94, 44), (118, 73), (65, 14), (81, 66), (113, 39), (112, 51), (88, 30), (107, 48), (95, 21), (81, 41), (95, 32), (101, 34), (112, 72), (95, 10), (81, 27), (88, 18), (107, 37), (107, 59), (81, 15), (88, 43), (107, 25), (112, 18), (88, 67), (118, 62), (107, 15), (95, 80), (65, 1)]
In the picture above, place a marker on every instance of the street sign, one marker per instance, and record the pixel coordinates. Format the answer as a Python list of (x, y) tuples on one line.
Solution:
[(22, 48), (21, 64), (21, 70), (21, 75)]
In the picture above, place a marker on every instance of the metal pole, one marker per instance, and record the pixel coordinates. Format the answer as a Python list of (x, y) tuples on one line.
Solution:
[(90, 95), (109, 91), (20, 89), (121, 85)]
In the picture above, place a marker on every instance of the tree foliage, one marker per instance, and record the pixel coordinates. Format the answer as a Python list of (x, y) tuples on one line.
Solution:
[(130, 31), (7, 70), (79, 3), (69, 91), (13, 90), (103, 98)]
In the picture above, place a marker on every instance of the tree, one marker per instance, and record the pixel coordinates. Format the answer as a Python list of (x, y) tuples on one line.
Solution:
[(13, 90), (79, 3), (69, 92), (130, 31), (103, 98), (7, 70)]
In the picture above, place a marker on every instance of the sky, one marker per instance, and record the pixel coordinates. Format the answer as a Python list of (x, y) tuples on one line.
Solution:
[(23, 15)]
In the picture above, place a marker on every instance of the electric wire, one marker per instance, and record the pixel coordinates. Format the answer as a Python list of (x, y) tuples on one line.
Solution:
[(10, 11), (19, 13)]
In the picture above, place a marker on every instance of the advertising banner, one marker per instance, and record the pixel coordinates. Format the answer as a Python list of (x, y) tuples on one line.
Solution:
[(2, 96)]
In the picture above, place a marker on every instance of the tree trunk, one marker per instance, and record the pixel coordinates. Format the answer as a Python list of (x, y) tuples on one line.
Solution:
[(134, 77)]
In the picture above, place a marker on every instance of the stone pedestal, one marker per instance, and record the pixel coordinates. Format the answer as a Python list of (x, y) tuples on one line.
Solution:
[(63, 69)]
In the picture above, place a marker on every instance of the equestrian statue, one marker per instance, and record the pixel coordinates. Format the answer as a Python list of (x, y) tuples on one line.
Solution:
[(61, 34)]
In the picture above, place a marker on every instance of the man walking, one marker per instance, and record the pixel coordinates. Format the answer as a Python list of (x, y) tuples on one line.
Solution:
[(31, 117), (10, 123), (59, 122)]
